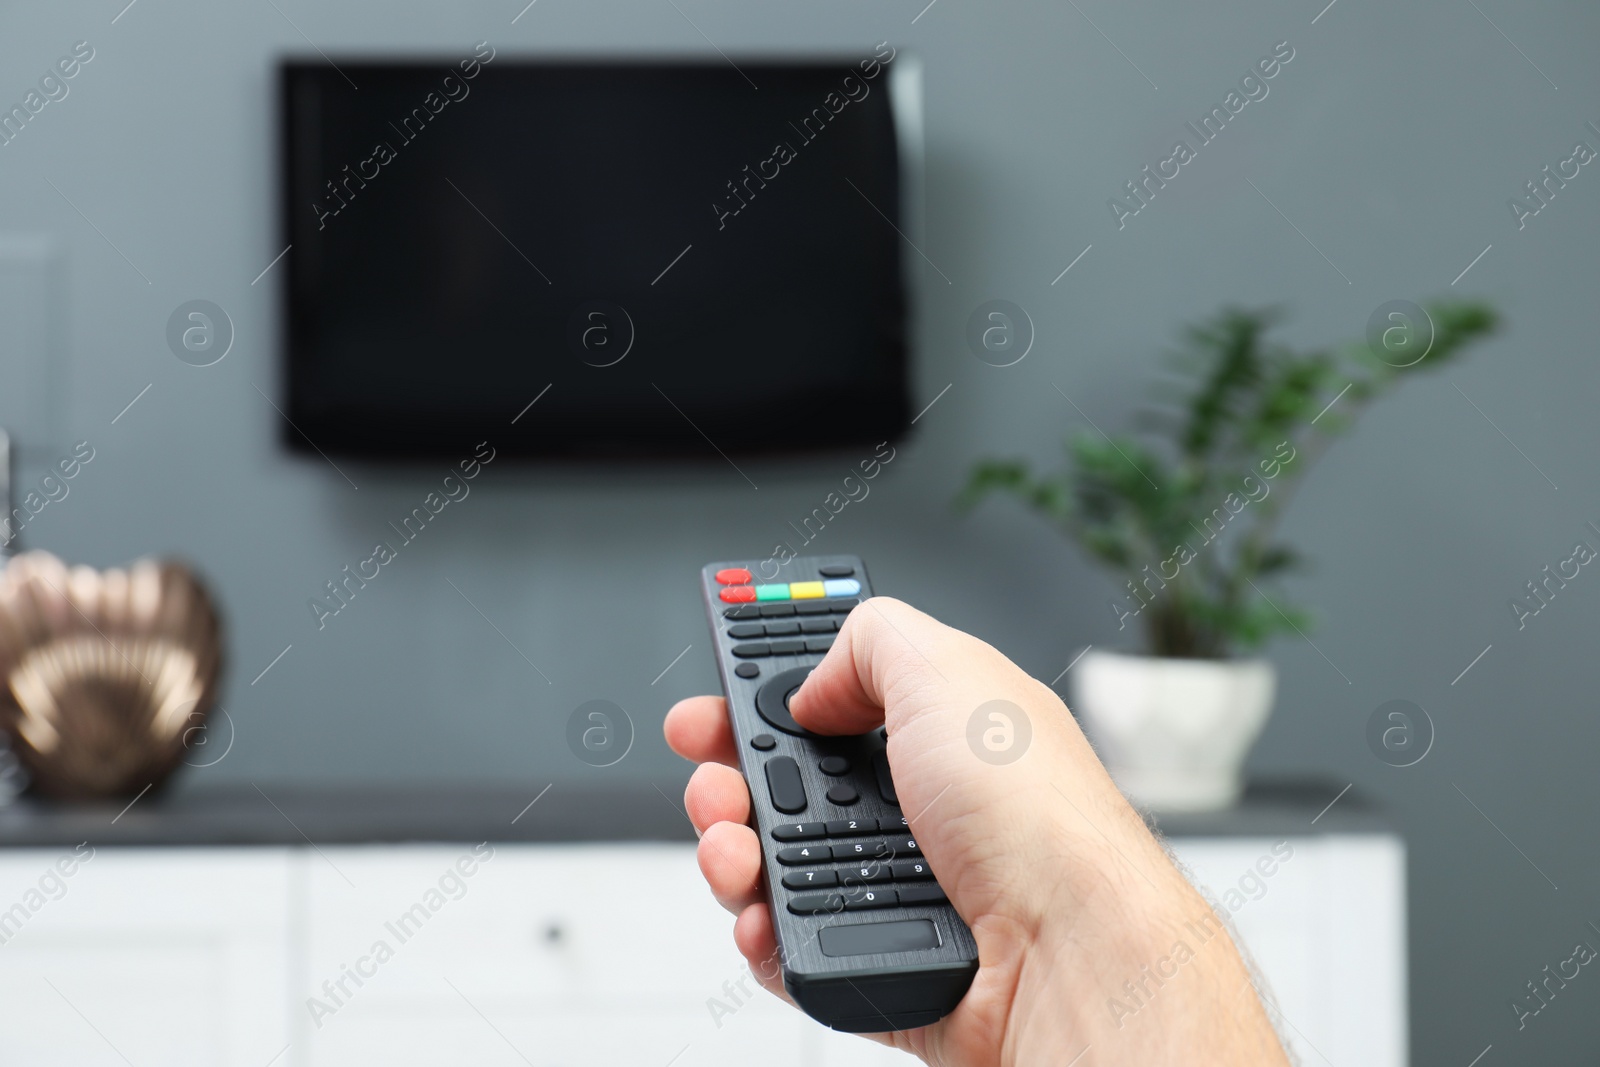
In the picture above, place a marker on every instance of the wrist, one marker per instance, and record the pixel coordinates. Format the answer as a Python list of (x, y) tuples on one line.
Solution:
[(1150, 980), (1128, 958)]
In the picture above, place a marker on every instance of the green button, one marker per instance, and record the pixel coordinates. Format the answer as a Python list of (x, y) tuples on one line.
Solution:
[(773, 592)]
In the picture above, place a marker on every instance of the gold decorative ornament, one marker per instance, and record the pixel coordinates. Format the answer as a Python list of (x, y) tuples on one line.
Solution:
[(107, 674)]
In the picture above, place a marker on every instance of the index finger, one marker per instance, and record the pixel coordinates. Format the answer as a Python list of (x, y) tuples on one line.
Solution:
[(698, 729)]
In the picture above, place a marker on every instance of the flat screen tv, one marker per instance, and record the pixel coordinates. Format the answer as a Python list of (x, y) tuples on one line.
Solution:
[(615, 259)]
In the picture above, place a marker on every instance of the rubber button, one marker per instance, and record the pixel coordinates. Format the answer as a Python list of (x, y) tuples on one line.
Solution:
[(863, 899), (781, 629), (834, 766), (904, 845), (798, 831), (772, 700), (800, 855), (788, 792), (812, 607), (750, 649), (743, 630), (866, 939), (743, 611), (810, 879), (880, 767), (911, 872), (843, 794), (929, 893), (811, 590), (836, 570), (763, 742), (769, 610), (747, 670), (843, 607), (737, 594), (816, 903), (772, 592), (733, 576), (840, 587), (790, 646)]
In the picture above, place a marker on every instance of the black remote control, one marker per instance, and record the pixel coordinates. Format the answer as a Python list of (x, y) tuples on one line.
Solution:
[(867, 939)]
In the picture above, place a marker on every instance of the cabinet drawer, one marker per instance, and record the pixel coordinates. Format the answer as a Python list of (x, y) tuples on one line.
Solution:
[(538, 925), (169, 956)]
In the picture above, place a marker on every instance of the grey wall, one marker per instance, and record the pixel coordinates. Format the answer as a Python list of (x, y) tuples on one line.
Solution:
[(1392, 141)]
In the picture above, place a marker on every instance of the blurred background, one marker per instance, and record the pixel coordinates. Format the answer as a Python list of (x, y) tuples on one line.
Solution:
[(1378, 168)]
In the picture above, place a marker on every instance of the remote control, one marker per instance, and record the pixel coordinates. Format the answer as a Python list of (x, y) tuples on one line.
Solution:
[(867, 939)]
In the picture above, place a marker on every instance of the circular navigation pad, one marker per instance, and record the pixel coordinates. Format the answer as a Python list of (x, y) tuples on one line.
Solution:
[(772, 700)]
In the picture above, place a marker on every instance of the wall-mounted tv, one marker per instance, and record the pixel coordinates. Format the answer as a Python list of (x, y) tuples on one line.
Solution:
[(574, 259)]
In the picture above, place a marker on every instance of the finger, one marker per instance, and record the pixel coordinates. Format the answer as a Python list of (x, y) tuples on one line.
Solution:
[(698, 729), (730, 859), (885, 647), (754, 937), (716, 794)]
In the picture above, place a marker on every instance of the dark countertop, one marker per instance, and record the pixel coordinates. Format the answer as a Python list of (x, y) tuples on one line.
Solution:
[(1284, 808), (288, 815)]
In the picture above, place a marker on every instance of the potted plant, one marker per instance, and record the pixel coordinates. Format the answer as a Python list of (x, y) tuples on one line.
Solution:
[(1186, 516)]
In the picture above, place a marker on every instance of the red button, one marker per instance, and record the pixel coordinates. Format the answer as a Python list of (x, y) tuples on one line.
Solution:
[(733, 576), (738, 594)]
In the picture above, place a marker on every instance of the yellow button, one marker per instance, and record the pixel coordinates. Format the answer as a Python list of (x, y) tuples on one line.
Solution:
[(805, 590)]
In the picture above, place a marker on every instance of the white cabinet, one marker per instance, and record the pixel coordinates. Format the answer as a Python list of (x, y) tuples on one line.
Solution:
[(552, 955), (170, 957), (543, 954), (1326, 930)]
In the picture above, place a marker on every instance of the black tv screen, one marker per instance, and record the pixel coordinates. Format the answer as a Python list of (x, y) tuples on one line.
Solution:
[(665, 258)]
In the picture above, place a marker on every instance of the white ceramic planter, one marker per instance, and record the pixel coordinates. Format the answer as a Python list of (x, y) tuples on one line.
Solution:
[(1174, 733)]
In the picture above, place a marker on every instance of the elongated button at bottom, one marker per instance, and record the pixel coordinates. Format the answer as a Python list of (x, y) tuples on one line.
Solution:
[(816, 903)]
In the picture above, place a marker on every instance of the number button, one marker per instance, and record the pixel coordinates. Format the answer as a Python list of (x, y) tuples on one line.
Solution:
[(799, 831), (810, 879), (795, 857), (869, 875), (905, 845), (862, 899)]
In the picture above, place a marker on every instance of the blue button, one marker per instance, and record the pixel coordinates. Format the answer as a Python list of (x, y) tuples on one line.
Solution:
[(841, 587)]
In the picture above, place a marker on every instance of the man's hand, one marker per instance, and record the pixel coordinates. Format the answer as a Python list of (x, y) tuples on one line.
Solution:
[(1071, 899)]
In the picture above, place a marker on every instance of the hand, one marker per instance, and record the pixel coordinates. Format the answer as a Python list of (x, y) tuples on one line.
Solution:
[(1071, 899)]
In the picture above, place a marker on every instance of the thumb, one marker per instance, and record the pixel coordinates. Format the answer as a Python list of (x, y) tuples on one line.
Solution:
[(885, 652), (959, 714), (928, 683), (983, 806)]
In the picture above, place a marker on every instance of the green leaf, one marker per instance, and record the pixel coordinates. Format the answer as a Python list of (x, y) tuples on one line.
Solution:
[(993, 476), (1223, 404)]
